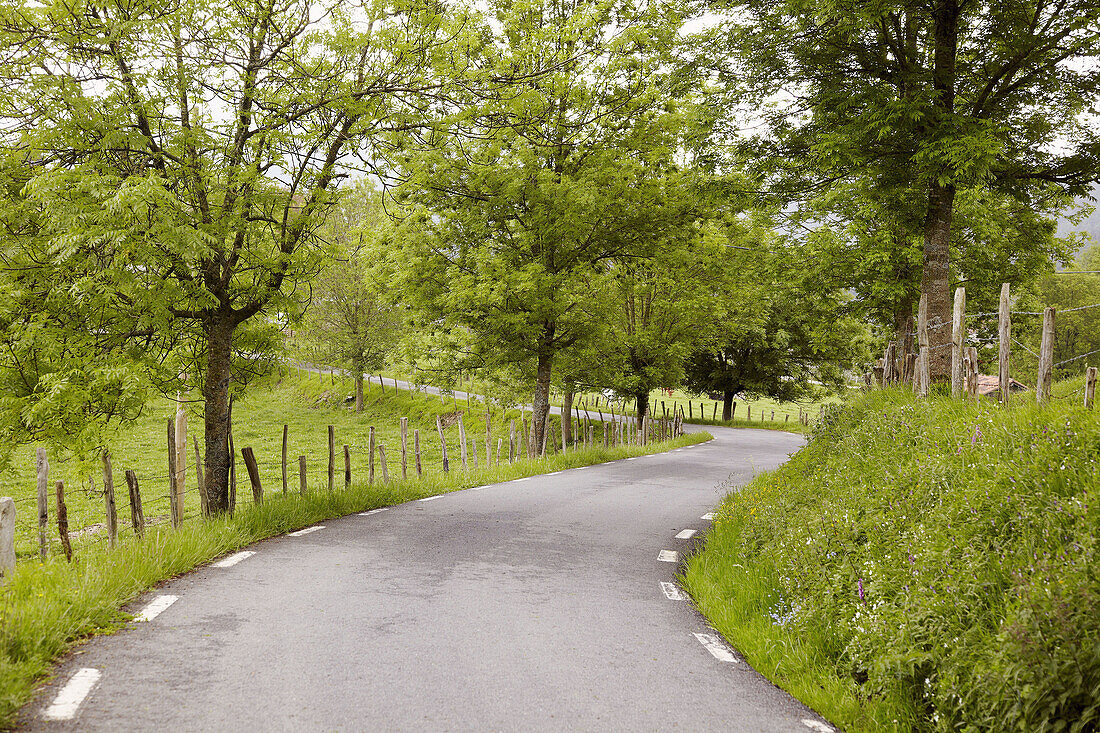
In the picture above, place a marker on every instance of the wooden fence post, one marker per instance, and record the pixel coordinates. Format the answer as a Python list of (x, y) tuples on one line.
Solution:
[(1004, 332), (972, 376), (888, 364), (286, 429), (488, 437), (500, 444), (545, 432), (331, 457), (923, 364), (109, 500), (173, 475), (1090, 387), (43, 468), (347, 467), (442, 444), (7, 536), (512, 441), (370, 459), (1046, 358), (181, 458), (200, 479), (958, 342), (404, 448), (63, 521), (382, 463), (302, 484), (137, 514), (416, 452), (462, 441), (253, 474)]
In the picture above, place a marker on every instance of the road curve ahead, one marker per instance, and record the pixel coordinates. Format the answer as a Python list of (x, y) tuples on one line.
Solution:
[(537, 604)]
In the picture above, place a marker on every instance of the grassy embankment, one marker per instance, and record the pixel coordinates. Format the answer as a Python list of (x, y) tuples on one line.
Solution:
[(46, 608), (922, 565)]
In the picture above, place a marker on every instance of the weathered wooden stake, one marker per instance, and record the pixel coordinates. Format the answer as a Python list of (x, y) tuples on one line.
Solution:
[(462, 441), (63, 521), (488, 437), (43, 468), (331, 457), (109, 500), (347, 467), (370, 458), (137, 514), (1090, 387), (181, 458), (500, 444), (1004, 332), (173, 476), (404, 448), (1046, 357), (382, 463), (442, 444), (303, 486), (958, 343), (286, 430), (200, 478), (253, 474), (512, 441), (923, 361), (972, 377), (416, 452), (7, 536)]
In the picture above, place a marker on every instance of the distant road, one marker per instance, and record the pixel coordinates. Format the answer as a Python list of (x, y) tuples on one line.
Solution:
[(547, 603)]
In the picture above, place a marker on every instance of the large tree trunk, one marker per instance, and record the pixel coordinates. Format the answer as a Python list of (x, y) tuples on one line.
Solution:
[(566, 411), (215, 392), (359, 369), (727, 405), (641, 400), (936, 280), (540, 402)]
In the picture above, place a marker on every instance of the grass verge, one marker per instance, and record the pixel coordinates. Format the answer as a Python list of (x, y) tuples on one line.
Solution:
[(921, 565), (47, 608)]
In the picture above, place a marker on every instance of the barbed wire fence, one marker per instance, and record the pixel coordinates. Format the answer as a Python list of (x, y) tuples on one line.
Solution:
[(908, 361), (105, 516)]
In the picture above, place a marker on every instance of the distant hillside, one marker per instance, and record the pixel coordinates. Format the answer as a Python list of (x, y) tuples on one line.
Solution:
[(1090, 225)]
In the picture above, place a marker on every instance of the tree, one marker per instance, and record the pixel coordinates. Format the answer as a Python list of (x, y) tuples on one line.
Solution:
[(937, 95), (351, 321), (780, 332), (184, 155), (515, 221)]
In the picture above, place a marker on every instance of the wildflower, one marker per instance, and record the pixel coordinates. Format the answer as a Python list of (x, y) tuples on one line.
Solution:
[(859, 584)]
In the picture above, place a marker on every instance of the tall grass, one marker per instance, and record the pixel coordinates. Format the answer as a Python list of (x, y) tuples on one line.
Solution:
[(921, 565)]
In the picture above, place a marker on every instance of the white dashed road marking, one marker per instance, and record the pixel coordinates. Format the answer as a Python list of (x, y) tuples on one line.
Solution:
[(431, 498), (307, 530), (672, 592), (68, 700), (817, 725), (372, 511), (709, 516), (234, 559), (668, 556), (716, 647), (685, 534), (155, 607)]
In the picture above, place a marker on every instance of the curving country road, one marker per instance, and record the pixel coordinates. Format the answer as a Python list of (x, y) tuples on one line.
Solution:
[(529, 605)]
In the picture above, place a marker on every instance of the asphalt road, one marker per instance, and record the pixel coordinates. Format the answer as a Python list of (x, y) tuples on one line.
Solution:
[(524, 606)]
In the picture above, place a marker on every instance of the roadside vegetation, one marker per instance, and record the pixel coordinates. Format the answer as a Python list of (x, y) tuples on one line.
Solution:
[(46, 608), (921, 565)]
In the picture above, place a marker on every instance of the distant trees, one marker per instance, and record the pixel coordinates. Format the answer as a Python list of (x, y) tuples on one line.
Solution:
[(351, 321)]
